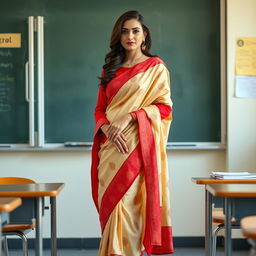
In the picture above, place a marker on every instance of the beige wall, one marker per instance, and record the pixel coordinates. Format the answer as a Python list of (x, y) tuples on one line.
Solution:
[(77, 216), (241, 154)]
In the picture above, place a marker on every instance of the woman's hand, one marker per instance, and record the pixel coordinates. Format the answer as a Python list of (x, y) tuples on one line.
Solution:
[(115, 128), (119, 143)]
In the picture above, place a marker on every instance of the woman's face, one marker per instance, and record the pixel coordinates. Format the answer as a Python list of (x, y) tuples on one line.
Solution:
[(132, 35)]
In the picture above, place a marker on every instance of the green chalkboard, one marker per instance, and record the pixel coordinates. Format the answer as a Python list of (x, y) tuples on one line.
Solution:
[(185, 34), (13, 107)]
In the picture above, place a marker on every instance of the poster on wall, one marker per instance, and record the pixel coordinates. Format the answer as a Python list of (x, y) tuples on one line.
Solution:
[(245, 67)]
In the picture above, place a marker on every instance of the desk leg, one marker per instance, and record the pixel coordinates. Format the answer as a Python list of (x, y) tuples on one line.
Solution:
[(53, 227), (208, 223), (39, 226), (228, 230)]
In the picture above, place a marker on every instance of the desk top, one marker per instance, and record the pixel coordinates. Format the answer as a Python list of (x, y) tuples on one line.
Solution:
[(209, 180), (232, 190), (9, 204), (31, 190)]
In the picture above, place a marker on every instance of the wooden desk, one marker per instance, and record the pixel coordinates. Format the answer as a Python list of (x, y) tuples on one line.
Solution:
[(38, 191), (229, 191), (6, 205), (208, 205), (232, 190), (209, 180)]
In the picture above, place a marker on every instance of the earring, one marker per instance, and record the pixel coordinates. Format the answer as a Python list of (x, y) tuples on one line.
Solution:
[(143, 45)]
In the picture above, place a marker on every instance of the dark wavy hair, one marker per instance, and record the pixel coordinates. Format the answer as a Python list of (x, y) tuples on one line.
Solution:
[(115, 58)]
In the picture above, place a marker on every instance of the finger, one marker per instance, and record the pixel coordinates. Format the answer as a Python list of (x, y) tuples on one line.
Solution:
[(118, 144), (117, 148), (116, 135), (112, 132), (109, 129), (123, 137), (109, 132), (123, 144), (111, 136)]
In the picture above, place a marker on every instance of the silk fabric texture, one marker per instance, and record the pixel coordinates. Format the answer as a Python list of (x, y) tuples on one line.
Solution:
[(131, 191)]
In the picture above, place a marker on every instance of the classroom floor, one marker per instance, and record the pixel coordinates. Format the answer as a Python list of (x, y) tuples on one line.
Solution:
[(178, 252)]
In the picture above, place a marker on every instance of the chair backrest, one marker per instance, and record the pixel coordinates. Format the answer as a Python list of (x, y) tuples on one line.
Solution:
[(248, 226), (15, 180)]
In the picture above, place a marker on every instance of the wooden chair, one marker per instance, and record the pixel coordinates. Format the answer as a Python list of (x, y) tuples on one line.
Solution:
[(12, 229), (248, 226), (219, 218)]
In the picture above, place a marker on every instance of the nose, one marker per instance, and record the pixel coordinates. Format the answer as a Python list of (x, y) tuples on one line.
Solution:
[(130, 35)]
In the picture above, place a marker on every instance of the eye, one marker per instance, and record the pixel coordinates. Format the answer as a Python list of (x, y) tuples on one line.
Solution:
[(136, 31), (123, 31)]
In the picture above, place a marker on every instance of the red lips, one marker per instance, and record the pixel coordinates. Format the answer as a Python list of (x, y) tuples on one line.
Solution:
[(130, 43)]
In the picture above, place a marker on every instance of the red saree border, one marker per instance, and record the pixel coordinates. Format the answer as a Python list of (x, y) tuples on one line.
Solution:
[(120, 184), (94, 170), (131, 72), (153, 210), (167, 242)]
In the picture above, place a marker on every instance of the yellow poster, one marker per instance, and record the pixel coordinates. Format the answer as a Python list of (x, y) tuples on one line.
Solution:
[(10, 40), (246, 56)]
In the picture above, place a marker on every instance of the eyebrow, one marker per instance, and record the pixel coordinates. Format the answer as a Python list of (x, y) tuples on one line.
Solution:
[(132, 28)]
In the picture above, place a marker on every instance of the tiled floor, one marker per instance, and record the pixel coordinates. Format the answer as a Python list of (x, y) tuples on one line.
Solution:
[(178, 252)]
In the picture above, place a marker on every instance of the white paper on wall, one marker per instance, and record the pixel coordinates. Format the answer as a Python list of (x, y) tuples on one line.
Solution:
[(245, 87)]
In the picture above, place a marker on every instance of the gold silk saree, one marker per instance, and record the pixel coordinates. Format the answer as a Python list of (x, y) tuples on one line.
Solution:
[(131, 191)]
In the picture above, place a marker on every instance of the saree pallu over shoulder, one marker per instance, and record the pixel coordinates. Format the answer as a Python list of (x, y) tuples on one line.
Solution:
[(131, 191)]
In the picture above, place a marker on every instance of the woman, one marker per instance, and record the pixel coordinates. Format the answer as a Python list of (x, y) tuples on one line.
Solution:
[(129, 167)]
